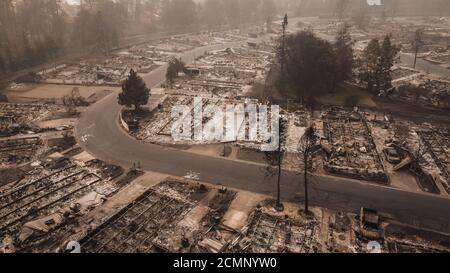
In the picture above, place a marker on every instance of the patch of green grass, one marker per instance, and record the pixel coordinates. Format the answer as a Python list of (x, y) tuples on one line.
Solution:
[(348, 95)]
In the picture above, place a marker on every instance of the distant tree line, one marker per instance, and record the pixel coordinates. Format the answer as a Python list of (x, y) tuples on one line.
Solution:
[(178, 14), (37, 31), (31, 31)]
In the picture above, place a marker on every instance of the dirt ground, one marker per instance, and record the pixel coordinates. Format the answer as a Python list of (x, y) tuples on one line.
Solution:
[(345, 92), (32, 93), (414, 113)]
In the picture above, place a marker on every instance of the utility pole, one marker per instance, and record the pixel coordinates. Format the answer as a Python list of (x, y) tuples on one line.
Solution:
[(283, 49), (417, 43)]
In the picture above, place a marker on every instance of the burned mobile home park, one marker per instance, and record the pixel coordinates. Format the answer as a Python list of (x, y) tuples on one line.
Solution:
[(355, 95)]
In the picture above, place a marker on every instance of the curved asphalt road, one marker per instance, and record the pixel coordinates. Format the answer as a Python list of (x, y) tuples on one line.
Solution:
[(99, 133), (422, 65)]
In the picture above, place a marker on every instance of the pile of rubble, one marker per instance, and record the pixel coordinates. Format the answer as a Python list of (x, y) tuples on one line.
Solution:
[(349, 146), (437, 145), (202, 230), (18, 118), (50, 197), (424, 90), (158, 126), (143, 58), (402, 74), (266, 233), (18, 150), (442, 58), (134, 228), (227, 73)]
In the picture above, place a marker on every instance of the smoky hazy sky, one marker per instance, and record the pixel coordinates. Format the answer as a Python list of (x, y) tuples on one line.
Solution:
[(77, 2)]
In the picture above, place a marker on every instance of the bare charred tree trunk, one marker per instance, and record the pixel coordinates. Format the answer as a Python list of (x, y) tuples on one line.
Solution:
[(283, 52), (279, 205), (274, 161), (415, 56), (305, 158), (306, 147)]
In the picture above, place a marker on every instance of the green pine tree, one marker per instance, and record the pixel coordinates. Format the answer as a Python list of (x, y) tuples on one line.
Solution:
[(375, 64), (368, 68), (134, 92), (388, 54), (343, 48)]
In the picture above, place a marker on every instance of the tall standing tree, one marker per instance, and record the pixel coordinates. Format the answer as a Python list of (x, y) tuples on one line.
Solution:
[(134, 92), (179, 14), (389, 52), (305, 149), (10, 59), (361, 16), (2, 64), (310, 66), (368, 64), (106, 35), (343, 48), (417, 44), (175, 66), (282, 53), (229, 8), (375, 64), (28, 52), (392, 6), (274, 160)]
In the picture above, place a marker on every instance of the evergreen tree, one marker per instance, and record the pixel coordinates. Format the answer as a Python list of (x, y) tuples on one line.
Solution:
[(175, 66), (51, 46), (134, 91), (310, 67), (179, 14), (105, 33), (343, 48), (388, 55), (368, 64), (11, 63), (28, 52), (374, 66)]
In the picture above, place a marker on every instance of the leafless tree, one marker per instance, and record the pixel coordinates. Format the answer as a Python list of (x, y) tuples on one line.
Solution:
[(73, 100), (274, 160), (306, 149)]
